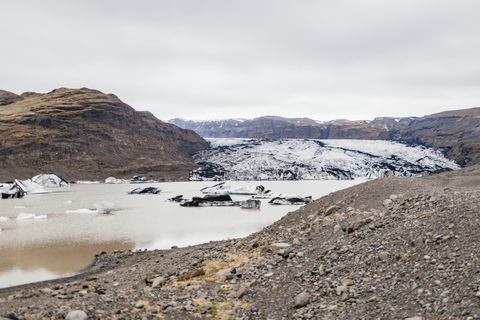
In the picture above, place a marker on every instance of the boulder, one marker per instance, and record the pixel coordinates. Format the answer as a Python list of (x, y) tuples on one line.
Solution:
[(301, 300), (76, 315)]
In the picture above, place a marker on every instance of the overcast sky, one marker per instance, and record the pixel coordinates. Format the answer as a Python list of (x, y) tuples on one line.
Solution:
[(243, 59)]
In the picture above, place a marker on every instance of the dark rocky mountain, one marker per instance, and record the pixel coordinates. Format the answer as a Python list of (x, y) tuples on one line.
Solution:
[(86, 134), (457, 133), (271, 127)]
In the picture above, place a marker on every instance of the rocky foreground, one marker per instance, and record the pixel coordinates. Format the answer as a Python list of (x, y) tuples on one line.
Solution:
[(392, 248)]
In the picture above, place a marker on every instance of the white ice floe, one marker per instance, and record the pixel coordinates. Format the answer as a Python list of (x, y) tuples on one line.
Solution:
[(88, 182), (82, 211), (27, 216), (102, 207), (3, 218)]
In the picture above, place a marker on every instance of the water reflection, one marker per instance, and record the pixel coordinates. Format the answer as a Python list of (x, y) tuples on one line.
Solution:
[(36, 262)]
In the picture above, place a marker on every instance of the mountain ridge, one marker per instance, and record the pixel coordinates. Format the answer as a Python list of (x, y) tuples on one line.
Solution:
[(456, 132)]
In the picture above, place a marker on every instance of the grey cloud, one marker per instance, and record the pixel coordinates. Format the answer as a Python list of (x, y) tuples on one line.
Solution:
[(202, 59)]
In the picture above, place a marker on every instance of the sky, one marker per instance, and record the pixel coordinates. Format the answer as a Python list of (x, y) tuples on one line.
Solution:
[(219, 59)]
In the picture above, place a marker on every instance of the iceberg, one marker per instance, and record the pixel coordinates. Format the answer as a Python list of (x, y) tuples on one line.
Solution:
[(250, 204), (148, 190), (135, 179), (113, 180), (104, 207), (178, 198), (291, 200), (50, 181), (30, 187), (217, 200), (223, 188), (14, 192)]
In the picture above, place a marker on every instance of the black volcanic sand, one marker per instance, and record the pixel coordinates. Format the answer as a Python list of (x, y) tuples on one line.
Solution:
[(391, 248)]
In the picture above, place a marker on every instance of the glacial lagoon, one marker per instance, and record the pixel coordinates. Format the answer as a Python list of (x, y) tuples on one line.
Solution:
[(65, 241)]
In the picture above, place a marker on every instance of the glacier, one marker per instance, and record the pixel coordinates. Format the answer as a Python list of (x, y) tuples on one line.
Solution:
[(311, 159)]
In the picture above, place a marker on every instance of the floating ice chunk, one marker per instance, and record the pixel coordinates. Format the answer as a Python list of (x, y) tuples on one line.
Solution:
[(113, 180), (3, 218), (104, 207), (25, 216), (69, 202), (19, 207), (81, 211)]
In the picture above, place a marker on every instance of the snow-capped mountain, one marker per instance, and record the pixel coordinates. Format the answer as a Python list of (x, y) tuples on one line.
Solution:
[(285, 159)]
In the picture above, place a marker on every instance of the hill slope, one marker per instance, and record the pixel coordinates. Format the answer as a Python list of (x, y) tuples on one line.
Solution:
[(85, 134)]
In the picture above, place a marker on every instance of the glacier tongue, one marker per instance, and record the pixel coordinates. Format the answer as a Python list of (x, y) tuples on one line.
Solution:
[(288, 159)]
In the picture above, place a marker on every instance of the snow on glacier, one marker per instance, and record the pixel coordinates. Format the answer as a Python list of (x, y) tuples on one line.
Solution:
[(289, 159)]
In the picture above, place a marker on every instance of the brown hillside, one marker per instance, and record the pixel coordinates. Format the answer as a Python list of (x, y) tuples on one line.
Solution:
[(86, 134)]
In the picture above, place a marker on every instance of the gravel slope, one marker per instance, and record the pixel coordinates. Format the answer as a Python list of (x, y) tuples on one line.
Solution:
[(391, 248)]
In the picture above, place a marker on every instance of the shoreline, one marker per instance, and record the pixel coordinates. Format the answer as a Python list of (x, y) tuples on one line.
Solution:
[(399, 236)]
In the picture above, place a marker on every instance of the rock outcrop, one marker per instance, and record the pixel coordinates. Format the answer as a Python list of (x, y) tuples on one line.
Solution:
[(457, 133), (86, 134)]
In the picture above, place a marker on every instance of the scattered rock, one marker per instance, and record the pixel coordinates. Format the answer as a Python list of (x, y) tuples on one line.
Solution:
[(301, 300), (159, 281), (76, 315), (383, 255), (332, 209)]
